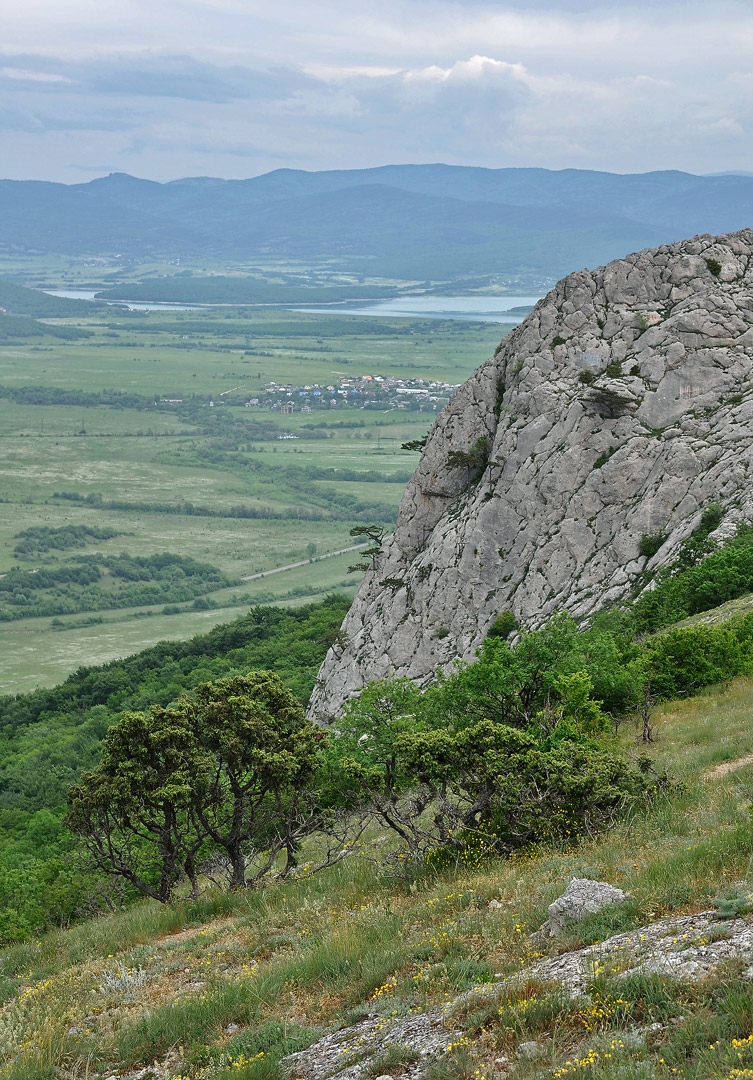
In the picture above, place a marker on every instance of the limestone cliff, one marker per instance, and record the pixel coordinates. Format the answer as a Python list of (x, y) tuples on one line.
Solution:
[(621, 406)]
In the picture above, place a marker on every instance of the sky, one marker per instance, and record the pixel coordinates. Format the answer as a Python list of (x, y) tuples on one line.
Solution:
[(234, 88)]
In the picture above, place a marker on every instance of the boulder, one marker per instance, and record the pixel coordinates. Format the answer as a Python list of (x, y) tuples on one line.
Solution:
[(581, 898)]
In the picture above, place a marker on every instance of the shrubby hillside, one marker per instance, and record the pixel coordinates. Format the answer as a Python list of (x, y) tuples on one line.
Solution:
[(51, 736), (48, 737), (428, 967)]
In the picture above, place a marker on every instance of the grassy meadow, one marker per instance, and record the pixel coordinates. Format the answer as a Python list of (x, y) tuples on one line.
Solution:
[(158, 986), (174, 478)]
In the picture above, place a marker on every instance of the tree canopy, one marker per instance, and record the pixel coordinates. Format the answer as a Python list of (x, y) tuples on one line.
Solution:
[(225, 775)]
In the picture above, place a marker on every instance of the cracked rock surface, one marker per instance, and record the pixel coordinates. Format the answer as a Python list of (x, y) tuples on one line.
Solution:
[(619, 408), (680, 947), (347, 1053), (689, 947)]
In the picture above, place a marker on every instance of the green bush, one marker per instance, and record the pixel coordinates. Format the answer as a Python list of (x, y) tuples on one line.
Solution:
[(507, 751), (474, 459), (683, 661), (503, 625), (650, 543)]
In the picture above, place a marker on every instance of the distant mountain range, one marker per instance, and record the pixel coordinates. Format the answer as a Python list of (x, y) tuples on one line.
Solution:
[(436, 222)]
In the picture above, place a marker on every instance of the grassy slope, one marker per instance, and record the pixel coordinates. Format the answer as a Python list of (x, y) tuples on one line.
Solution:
[(161, 984)]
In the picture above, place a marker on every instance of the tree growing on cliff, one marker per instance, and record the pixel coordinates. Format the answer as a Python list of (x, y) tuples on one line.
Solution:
[(375, 536)]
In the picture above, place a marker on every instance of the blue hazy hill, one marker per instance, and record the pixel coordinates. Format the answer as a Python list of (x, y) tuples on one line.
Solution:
[(405, 221)]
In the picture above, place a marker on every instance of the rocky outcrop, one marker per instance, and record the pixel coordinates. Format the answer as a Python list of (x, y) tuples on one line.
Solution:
[(687, 947), (353, 1052), (617, 410), (580, 899), (684, 947)]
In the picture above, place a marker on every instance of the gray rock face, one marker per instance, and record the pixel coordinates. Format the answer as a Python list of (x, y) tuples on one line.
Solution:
[(688, 947), (346, 1054), (620, 407), (582, 897)]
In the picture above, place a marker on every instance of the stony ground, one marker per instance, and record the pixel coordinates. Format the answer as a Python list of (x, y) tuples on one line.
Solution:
[(690, 947)]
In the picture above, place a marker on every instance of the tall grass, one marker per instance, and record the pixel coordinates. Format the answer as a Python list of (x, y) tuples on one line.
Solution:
[(350, 941)]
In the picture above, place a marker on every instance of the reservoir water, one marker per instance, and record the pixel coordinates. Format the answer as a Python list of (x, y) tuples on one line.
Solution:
[(464, 308), (132, 305)]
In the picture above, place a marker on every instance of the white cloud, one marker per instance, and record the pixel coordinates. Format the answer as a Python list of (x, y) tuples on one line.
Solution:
[(161, 88), (478, 67), (329, 73), (21, 75)]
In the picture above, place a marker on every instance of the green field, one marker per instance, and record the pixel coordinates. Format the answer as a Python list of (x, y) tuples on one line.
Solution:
[(82, 444), (37, 653)]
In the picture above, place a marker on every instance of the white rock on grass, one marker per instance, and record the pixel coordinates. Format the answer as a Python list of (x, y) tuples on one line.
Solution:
[(530, 1049), (345, 1054), (581, 898), (684, 947)]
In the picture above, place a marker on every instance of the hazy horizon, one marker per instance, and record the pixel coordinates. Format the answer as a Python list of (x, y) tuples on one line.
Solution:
[(382, 165), (238, 88)]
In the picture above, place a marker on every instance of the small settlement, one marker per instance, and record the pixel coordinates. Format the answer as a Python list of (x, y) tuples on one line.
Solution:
[(356, 391)]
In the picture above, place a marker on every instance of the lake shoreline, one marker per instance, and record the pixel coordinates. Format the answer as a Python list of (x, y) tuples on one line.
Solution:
[(501, 309)]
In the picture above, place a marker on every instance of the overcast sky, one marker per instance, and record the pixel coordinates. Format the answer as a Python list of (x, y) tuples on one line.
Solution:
[(234, 88)]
